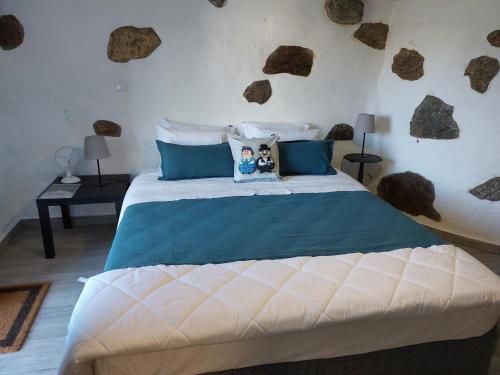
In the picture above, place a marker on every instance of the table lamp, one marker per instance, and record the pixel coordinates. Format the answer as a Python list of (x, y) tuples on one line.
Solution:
[(95, 148), (365, 124)]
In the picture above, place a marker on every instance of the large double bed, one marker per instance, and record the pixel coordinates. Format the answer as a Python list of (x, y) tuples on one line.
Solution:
[(313, 274)]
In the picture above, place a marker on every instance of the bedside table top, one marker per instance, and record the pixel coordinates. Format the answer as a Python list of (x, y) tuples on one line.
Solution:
[(366, 158), (114, 190)]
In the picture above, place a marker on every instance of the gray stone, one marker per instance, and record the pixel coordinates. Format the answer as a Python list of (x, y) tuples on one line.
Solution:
[(373, 34), (294, 60), (408, 64), (341, 132), (494, 38), (345, 12), (217, 3), (128, 42), (481, 71), (11, 32), (409, 192), (433, 118), (490, 190), (258, 92), (107, 128)]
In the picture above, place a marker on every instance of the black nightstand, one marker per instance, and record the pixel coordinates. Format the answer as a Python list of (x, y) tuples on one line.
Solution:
[(362, 159), (89, 193)]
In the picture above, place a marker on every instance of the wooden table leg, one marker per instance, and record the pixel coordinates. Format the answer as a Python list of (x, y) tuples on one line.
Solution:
[(66, 217), (48, 239)]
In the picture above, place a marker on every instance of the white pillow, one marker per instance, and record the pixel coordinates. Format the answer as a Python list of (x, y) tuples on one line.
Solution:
[(191, 137), (243, 126), (168, 124), (284, 135)]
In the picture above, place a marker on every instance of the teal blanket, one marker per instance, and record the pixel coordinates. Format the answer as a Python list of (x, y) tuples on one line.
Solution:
[(221, 230)]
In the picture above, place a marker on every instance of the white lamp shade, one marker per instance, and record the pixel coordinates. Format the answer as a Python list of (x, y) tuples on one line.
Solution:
[(365, 123), (95, 147)]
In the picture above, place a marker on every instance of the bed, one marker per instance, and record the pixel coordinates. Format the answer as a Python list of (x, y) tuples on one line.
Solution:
[(313, 274)]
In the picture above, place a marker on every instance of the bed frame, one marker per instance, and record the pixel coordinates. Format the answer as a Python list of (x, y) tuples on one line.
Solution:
[(454, 357)]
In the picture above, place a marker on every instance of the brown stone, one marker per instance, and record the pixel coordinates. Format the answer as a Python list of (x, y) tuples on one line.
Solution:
[(11, 32), (490, 190), (433, 118), (409, 192), (408, 64), (217, 3), (107, 128), (258, 92), (290, 59), (341, 132), (373, 34), (129, 42), (345, 12), (481, 71), (494, 38)]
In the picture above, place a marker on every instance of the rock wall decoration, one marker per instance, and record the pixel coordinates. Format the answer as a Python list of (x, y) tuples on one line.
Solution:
[(481, 71), (128, 42), (217, 3), (373, 34), (258, 92), (409, 192), (345, 12), (11, 32), (294, 60), (408, 64), (433, 118), (494, 38), (107, 128), (490, 190), (341, 132)]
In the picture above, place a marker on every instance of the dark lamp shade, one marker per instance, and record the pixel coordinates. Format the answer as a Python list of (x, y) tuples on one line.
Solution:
[(365, 123), (95, 147)]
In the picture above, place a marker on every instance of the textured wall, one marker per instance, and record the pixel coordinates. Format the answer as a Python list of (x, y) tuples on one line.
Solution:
[(448, 33)]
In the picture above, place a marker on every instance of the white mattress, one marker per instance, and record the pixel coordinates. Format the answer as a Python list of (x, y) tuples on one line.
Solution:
[(180, 320)]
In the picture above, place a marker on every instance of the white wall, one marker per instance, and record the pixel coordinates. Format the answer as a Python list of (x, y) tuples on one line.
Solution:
[(448, 33), (55, 85)]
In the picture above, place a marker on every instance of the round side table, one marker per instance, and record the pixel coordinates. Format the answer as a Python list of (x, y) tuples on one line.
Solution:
[(361, 159)]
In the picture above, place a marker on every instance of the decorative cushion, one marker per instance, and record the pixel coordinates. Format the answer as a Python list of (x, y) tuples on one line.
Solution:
[(306, 158), (180, 162), (255, 160)]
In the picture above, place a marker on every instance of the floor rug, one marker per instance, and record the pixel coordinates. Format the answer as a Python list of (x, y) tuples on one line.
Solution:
[(18, 308)]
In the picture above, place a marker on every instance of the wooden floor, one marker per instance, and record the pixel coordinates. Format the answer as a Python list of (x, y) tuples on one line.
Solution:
[(81, 252)]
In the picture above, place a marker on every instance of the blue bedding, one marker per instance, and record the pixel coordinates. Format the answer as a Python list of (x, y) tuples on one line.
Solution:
[(220, 230)]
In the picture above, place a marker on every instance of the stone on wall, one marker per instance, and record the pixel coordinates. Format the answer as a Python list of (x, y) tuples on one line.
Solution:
[(290, 59), (129, 42), (373, 34), (341, 132), (481, 71), (345, 12), (433, 118), (107, 128), (409, 192), (217, 3), (408, 64), (490, 190), (11, 32), (258, 92), (494, 38)]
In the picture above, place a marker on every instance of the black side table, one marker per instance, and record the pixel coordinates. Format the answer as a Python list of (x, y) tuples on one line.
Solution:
[(362, 159), (89, 193)]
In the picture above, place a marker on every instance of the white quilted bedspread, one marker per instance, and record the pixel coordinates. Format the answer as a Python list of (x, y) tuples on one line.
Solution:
[(161, 308)]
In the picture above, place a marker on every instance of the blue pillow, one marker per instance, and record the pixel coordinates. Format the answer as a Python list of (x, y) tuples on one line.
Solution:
[(193, 162), (306, 158)]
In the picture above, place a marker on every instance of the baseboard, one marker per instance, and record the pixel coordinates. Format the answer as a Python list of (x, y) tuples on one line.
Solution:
[(466, 241), (56, 221)]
